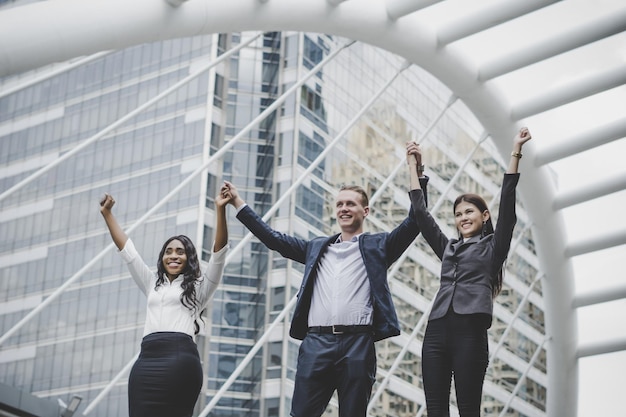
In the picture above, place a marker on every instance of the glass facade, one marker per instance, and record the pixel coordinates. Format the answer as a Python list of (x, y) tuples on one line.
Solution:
[(51, 227)]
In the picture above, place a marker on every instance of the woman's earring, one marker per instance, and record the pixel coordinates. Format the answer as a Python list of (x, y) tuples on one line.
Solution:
[(483, 231)]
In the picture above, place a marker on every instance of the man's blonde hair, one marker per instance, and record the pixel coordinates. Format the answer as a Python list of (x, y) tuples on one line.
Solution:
[(365, 201)]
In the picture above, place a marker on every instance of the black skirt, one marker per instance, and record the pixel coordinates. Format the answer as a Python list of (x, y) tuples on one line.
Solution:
[(166, 378)]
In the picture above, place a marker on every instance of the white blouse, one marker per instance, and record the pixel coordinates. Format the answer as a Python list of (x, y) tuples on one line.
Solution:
[(164, 311)]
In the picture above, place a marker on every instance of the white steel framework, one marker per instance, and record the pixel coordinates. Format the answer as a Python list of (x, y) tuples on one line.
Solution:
[(440, 37)]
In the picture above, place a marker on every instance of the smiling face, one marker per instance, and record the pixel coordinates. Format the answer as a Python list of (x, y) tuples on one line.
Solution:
[(469, 219), (350, 211), (174, 259)]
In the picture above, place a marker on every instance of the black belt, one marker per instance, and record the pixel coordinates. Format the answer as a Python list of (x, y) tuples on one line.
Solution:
[(341, 329)]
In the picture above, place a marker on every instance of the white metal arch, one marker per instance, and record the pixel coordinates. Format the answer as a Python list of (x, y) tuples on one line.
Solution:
[(52, 31)]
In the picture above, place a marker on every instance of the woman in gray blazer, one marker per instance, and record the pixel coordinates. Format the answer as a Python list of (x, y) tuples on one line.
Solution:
[(455, 342)]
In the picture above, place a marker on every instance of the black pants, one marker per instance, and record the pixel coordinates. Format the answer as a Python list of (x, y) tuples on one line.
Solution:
[(327, 362), (166, 378), (455, 344)]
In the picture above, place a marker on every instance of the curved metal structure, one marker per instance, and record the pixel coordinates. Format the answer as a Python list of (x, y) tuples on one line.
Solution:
[(448, 40)]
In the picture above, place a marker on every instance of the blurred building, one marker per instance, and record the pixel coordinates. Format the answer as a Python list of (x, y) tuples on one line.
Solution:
[(52, 231)]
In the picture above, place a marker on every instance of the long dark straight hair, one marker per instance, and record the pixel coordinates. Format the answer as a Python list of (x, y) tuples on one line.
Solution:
[(191, 273), (479, 202)]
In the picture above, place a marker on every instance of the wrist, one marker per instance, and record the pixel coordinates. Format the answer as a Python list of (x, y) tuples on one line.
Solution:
[(238, 202)]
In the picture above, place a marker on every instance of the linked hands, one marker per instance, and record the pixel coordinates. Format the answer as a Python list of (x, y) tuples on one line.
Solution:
[(223, 197), (413, 154), (414, 159), (230, 192)]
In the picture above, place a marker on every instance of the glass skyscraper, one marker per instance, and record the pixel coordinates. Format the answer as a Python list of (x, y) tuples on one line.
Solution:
[(346, 124)]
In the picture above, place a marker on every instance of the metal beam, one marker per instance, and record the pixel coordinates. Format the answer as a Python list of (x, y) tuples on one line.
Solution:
[(53, 73), (600, 296), (599, 188), (123, 119), (481, 18), (581, 142), (248, 358), (518, 312), (589, 31), (520, 381), (600, 348), (102, 394), (593, 244), (576, 89), (398, 8)]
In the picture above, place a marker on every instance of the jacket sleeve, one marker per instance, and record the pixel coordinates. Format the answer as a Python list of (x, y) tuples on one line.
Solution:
[(427, 224), (506, 219), (288, 246), (402, 236)]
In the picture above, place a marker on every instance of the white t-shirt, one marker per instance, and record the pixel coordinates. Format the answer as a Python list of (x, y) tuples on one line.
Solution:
[(164, 311)]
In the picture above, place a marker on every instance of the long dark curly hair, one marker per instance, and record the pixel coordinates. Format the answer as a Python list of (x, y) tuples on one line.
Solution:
[(479, 202), (191, 273)]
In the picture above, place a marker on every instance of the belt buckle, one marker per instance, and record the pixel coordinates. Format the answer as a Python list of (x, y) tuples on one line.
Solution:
[(336, 331)]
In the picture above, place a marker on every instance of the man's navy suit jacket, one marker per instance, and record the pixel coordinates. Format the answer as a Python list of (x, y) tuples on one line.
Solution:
[(379, 251)]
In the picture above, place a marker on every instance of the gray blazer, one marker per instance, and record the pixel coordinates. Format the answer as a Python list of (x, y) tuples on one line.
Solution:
[(468, 268)]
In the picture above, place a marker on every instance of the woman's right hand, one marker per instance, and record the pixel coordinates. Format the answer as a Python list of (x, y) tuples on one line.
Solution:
[(117, 233), (106, 203), (522, 137)]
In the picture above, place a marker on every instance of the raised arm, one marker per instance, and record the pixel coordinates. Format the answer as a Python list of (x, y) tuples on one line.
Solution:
[(221, 228), (427, 224), (288, 246), (414, 160), (520, 139), (117, 234)]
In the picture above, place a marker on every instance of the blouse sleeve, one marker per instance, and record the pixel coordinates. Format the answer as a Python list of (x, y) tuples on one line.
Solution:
[(212, 276), (141, 273)]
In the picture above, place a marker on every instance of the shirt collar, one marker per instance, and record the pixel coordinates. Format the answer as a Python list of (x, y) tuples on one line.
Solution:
[(354, 238), (472, 239)]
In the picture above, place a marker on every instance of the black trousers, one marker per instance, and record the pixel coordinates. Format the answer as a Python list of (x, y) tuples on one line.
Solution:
[(328, 362), (455, 344), (166, 378)]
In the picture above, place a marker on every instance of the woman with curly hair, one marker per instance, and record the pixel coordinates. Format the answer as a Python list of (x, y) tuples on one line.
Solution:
[(166, 379)]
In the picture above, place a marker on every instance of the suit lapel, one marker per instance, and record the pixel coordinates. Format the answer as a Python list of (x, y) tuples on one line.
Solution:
[(458, 245)]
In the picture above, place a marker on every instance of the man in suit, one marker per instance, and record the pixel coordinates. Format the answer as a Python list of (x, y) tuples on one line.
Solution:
[(344, 303)]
